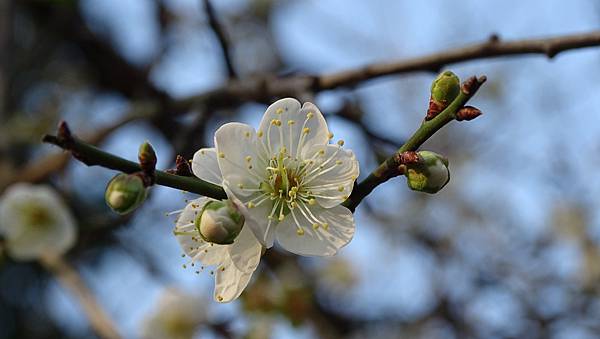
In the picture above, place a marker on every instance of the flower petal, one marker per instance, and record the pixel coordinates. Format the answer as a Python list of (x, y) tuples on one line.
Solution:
[(245, 251), (256, 218), (230, 282), (332, 176), (323, 234), (206, 167), (190, 240), (242, 163), (297, 128)]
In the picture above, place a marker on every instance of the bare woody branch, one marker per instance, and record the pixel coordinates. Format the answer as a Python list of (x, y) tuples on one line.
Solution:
[(269, 87), (221, 37)]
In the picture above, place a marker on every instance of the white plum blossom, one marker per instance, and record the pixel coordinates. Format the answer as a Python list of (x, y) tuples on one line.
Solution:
[(234, 262), (289, 179), (178, 315), (34, 222)]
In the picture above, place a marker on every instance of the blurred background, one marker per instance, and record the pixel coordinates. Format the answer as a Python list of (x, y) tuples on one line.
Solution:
[(508, 249)]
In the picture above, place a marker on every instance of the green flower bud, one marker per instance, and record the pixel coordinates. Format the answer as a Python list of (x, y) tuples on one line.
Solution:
[(125, 193), (430, 174), (220, 222), (444, 89)]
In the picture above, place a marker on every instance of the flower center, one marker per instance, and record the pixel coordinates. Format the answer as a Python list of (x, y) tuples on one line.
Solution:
[(37, 216)]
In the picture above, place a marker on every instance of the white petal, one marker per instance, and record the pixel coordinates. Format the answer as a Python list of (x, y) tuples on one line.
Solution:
[(321, 240), (230, 282), (294, 121), (332, 183), (256, 218), (242, 163), (191, 242), (206, 167), (245, 251)]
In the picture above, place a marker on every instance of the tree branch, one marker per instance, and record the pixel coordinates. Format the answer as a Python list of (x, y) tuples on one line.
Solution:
[(93, 156), (389, 168), (221, 37), (265, 89), (70, 280)]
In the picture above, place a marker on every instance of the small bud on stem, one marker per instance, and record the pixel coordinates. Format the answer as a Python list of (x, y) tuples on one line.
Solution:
[(125, 193), (467, 113), (444, 90), (430, 174)]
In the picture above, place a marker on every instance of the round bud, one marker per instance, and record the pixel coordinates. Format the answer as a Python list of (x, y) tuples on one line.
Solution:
[(220, 222), (430, 174), (125, 193), (445, 88)]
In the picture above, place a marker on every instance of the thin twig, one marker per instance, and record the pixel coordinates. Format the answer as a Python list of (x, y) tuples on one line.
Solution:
[(93, 156), (389, 168), (70, 280), (221, 37)]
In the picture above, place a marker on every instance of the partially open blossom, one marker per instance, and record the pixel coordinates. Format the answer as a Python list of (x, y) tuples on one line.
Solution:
[(220, 222), (125, 192), (234, 263), (34, 221), (178, 315), (430, 174), (288, 177)]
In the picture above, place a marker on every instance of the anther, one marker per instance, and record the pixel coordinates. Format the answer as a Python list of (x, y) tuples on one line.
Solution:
[(306, 130), (340, 142), (279, 110), (221, 155), (315, 226), (300, 231), (259, 134), (309, 115), (291, 122), (330, 135)]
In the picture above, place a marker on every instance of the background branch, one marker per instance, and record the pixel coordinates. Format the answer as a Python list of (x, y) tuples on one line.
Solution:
[(70, 280)]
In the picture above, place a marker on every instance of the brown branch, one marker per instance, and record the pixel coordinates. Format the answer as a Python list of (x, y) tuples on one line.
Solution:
[(70, 280), (221, 37), (266, 88), (494, 47)]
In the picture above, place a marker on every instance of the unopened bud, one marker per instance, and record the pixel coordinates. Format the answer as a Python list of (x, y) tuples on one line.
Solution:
[(147, 157), (220, 222), (430, 174), (444, 89), (467, 113), (125, 193)]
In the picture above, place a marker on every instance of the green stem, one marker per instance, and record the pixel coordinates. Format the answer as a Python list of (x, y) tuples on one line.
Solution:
[(389, 168), (93, 156)]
